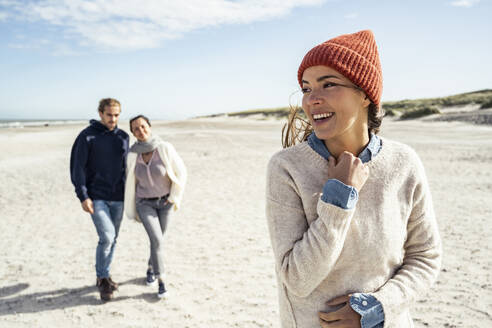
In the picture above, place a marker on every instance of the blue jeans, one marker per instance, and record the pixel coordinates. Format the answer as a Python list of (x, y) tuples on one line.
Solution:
[(107, 219)]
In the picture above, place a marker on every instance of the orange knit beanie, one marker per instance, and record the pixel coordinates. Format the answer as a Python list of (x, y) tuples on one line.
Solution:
[(355, 56)]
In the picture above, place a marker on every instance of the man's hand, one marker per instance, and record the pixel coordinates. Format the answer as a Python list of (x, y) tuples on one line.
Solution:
[(88, 206), (345, 317), (348, 169)]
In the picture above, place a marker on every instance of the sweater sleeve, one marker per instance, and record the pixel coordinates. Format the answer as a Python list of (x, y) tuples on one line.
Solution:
[(180, 172), (304, 254), (178, 165), (130, 182), (78, 163), (422, 257)]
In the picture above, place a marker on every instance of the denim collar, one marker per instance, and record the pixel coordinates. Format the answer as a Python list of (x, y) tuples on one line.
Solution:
[(370, 151)]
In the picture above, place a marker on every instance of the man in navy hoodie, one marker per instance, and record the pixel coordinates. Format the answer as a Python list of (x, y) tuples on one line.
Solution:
[(97, 170)]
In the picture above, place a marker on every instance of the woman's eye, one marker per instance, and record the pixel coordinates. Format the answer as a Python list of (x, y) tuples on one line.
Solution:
[(304, 90), (329, 85)]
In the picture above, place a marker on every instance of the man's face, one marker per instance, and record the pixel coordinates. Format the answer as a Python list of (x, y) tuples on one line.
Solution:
[(110, 115)]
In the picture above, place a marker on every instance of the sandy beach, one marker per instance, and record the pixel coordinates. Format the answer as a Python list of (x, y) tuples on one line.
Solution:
[(219, 264)]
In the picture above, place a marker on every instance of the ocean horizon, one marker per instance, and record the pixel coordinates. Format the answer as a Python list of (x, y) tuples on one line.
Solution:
[(21, 123)]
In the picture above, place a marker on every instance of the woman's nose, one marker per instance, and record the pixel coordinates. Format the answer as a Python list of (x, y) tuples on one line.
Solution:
[(314, 98)]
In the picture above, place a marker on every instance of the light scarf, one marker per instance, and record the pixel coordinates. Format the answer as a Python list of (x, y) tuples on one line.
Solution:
[(146, 146)]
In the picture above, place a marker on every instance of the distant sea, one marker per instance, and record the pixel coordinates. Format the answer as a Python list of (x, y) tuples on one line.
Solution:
[(34, 123)]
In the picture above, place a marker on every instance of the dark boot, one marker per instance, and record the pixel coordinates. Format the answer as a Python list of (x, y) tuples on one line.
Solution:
[(105, 289), (113, 284)]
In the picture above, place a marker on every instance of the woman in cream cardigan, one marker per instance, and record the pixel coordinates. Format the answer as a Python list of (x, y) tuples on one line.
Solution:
[(350, 213), (155, 181)]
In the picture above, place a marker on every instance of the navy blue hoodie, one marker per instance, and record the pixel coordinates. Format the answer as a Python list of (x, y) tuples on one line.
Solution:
[(98, 163)]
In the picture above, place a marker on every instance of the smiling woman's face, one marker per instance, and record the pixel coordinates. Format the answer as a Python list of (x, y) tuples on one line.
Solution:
[(336, 108), (141, 129)]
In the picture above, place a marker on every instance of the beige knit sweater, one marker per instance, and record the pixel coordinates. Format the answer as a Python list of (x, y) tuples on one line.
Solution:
[(387, 246)]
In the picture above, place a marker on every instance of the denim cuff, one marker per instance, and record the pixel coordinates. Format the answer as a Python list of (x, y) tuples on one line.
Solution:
[(339, 194), (370, 310)]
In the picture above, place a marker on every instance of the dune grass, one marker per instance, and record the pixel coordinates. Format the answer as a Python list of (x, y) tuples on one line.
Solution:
[(480, 97), (277, 112), (420, 112), (486, 105), (405, 109)]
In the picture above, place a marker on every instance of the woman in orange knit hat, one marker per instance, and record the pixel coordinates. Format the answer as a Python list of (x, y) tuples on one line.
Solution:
[(350, 214)]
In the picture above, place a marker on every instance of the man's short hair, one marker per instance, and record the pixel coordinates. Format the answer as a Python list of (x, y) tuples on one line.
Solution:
[(108, 102)]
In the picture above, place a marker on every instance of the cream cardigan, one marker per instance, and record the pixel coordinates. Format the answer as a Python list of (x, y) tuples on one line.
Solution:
[(176, 171), (388, 246)]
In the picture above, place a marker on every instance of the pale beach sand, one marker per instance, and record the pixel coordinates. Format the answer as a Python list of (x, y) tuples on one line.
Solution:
[(219, 264)]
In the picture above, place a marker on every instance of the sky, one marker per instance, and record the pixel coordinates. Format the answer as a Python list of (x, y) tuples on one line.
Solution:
[(181, 59)]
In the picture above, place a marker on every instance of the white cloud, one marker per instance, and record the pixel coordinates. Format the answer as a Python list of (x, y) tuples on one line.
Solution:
[(20, 46), (464, 3), (64, 50), (8, 2), (36, 44), (136, 24), (3, 16), (352, 16)]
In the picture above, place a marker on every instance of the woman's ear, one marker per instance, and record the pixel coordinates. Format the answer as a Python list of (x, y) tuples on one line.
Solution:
[(366, 102)]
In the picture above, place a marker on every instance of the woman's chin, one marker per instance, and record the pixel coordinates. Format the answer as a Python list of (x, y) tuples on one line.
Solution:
[(324, 129), (323, 134)]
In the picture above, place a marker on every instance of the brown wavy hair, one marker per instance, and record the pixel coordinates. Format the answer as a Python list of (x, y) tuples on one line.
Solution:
[(108, 102), (298, 128)]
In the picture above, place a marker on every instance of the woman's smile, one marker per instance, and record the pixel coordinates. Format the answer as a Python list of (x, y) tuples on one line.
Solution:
[(322, 118)]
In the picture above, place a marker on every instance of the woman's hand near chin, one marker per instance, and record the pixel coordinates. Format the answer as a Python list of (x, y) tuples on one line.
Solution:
[(348, 169)]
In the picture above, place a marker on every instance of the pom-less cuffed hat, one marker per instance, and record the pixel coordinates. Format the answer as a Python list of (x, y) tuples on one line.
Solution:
[(355, 56)]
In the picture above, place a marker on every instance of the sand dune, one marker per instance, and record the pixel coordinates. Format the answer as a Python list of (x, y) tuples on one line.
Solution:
[(219, 264)]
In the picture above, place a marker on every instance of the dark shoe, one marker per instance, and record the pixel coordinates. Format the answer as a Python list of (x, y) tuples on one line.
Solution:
[(150, 278), (113, 284), (105, 289), (162, 290)]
